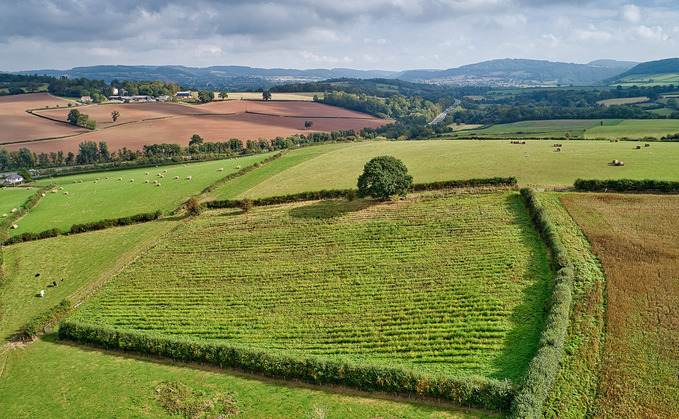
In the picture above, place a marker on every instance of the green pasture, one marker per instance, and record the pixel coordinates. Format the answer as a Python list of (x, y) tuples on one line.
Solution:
[(635, 128), (575, 128), (623, 101), (113, 198), (447, 284), (80, 260), (12, 197), (536, 163), (55, 380), (648, 80)]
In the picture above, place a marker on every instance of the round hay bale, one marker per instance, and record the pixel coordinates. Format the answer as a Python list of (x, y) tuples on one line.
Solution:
[(176, 177), (221, 169), (158, 184), (65, 192), (615, 162), (146, 181)]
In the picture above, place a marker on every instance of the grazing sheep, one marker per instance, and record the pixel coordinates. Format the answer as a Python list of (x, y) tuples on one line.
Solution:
[(165, 171), (42, 293), (188, 178), (622, 163), (75, 181), (96, 181), (146, 181), (54, 284), (4, 215), (65, 192), (61, 188), (159, 174), (558, 145), (183, 165), (221, 169), (80, 181), (155, 181), (54, 191), (615, 162), (106, 177)]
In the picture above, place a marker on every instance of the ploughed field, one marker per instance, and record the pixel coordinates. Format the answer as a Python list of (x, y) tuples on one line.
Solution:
[(154, 123), (442, 283)]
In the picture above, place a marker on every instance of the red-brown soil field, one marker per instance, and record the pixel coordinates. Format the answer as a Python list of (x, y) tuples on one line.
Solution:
[(18, 125), (150, 123), (637, 240)]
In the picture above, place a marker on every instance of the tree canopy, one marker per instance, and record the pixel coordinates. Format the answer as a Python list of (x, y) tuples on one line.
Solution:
[(383, 177)]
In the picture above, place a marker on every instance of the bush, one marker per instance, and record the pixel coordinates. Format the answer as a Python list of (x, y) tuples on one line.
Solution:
[(626, 185), (38, 324)]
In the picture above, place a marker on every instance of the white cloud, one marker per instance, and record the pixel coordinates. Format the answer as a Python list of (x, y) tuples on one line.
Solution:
[(630, 13), (655, 33)]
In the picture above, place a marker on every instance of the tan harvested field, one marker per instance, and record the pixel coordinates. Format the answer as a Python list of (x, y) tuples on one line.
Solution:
[(18, 125), (149, 123), (637, 241)]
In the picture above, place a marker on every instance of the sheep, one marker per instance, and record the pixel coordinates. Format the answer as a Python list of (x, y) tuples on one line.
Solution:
[(131, 180), (622, 163), (42, 293), (4, 215), (238, 167), (75, 181), (61, 188), (96, 181), (558, 149), (80, 181), (159, 174), (54, 191), (54, 284), (65, 192), (155, 181), (188, 178), (557, 145), (615, 162), (106, 177), (183, 165), (221, 169), (146, 181)]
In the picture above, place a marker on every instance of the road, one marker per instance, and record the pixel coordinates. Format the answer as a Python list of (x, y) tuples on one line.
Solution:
[(443, 114)]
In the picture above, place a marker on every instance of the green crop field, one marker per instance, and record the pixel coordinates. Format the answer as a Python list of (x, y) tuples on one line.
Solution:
[(81, 261), (649, 80), (82, 382), (576, 128), (535, 163), (113, 198), (444, 284), (11, 198), (636, 128)]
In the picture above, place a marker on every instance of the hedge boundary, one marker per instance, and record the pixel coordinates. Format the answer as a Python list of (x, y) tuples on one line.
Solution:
[(474, 391), (544, 367), (243, 171), (38, 324), (352, 193), (30, 203), (626, 185), (115, 222)]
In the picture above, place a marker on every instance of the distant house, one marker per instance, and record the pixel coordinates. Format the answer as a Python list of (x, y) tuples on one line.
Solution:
[(162, 98), (141, 98), (85, 99), (13, 179)]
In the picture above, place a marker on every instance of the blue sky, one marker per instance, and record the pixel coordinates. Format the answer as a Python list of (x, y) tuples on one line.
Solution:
[(361, 34)]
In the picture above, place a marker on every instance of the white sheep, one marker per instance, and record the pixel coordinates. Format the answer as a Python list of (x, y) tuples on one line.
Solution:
[(106, 177), (4, 215), (155, 181), (221, 169), (61, 188), (165, 171), (42, 293), (54, 191), (80, 181), (96, 181), (189, 178), (75, 181)]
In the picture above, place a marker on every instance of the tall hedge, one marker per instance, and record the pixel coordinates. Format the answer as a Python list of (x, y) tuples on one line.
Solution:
[(626, 185), (115, 222), (478, 392), (344, 193), (544, 367), (39, 323)]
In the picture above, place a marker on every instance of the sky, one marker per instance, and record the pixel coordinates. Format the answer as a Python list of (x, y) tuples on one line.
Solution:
[(304, 34)]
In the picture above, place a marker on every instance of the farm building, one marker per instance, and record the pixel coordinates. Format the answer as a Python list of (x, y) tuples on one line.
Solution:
[(184, 94), (13, 179), (85, 99)]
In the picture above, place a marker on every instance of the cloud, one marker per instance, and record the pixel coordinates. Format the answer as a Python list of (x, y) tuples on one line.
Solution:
[(630, 13), (655, 33)]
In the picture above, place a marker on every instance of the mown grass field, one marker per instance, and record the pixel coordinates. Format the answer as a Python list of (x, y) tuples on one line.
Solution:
[(635, 128), (113, 198), (535, 163), (81, 261), (649, 80), (575, 128), (451, 284), (636, 238), (83, 382), (11, 198)]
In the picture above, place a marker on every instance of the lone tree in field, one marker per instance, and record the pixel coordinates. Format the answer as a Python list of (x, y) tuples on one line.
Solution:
[(223, 95), (308, 124), (115, 115), (196, 139), (193, 206), (383, 177), (266, 95)]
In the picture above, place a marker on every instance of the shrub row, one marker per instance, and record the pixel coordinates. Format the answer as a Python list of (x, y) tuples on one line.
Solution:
[(476, 392), (243, 171), (25, 237), (624, 185), (352, 193), (114, 222), (544, 367), (39, 323)]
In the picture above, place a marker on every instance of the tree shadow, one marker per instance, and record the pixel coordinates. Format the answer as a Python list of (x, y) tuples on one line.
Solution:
[(331, 208), (528, 318)]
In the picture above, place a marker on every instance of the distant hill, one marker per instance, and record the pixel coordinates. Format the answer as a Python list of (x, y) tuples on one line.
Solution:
[(520, 72), (652, 72), (216, 77)]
